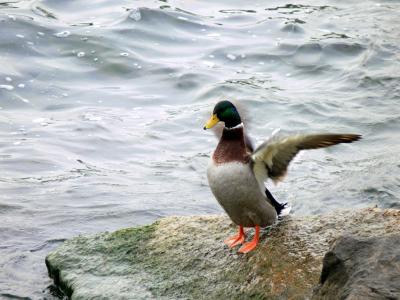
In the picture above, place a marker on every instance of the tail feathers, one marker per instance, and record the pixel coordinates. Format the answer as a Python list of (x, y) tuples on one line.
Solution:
[(282, 209)]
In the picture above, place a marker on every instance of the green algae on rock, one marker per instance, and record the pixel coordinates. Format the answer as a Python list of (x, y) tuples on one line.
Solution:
[(185, 258)]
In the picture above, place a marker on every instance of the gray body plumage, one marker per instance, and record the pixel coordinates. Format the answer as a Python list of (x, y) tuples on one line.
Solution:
[(237, 190)]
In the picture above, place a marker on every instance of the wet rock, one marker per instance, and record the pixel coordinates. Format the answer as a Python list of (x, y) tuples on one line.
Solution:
[(361, 268), (185, 258)]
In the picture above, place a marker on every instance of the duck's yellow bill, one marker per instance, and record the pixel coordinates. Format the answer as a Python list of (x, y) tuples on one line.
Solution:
[(211, 122)]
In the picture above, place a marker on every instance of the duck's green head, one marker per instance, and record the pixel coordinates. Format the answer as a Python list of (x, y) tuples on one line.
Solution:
[(226, 112)]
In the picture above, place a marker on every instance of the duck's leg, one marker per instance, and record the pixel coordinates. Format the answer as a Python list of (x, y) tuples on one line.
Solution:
[(236, 239), (247, 247)]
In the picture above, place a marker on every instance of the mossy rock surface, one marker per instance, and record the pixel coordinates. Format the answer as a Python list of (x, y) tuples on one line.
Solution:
[(185, 258)]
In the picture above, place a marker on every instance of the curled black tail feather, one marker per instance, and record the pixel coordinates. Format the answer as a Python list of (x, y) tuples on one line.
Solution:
[(278, 206)]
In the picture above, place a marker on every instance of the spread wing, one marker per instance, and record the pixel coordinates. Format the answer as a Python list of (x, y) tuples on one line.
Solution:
[(271, 159)]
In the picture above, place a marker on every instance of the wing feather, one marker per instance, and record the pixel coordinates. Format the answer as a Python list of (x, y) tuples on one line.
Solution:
[(272, 158)]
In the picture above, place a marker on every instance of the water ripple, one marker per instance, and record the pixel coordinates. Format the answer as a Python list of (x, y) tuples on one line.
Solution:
[(102, 110)]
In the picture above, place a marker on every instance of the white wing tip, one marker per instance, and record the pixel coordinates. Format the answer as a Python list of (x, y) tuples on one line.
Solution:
[(285, 211)]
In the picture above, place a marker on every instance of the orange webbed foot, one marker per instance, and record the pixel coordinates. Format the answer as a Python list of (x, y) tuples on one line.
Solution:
[(247, 247), (236, 239)]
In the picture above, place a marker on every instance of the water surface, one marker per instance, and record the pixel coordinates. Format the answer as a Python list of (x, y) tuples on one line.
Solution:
[(103, 104)]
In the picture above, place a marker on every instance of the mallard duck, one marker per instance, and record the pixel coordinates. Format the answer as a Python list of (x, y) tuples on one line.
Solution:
[(237, 172)]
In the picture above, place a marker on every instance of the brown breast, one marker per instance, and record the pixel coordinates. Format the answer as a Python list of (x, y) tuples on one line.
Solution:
[(231, 147)]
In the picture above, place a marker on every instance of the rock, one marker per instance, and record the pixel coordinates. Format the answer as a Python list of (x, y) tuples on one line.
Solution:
[(361, 268), (185, 258)]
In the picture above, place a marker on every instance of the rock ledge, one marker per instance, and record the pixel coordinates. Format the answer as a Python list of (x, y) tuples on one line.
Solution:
[(185, 258)]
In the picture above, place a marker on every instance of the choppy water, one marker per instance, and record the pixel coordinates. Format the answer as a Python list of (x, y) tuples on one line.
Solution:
[(103, 103)]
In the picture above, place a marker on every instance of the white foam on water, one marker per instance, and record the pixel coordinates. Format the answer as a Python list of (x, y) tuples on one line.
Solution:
[(7, 87), (63, 34)]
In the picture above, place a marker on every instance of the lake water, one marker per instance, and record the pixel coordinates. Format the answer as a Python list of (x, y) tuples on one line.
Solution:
[(103, 105)]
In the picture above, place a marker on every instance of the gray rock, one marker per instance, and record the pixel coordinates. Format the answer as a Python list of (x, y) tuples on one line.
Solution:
[(185, 258), (361, 268)]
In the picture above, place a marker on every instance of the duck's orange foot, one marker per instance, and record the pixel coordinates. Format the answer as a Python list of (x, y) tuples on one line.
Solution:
[(247, 247), (236, 239)]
